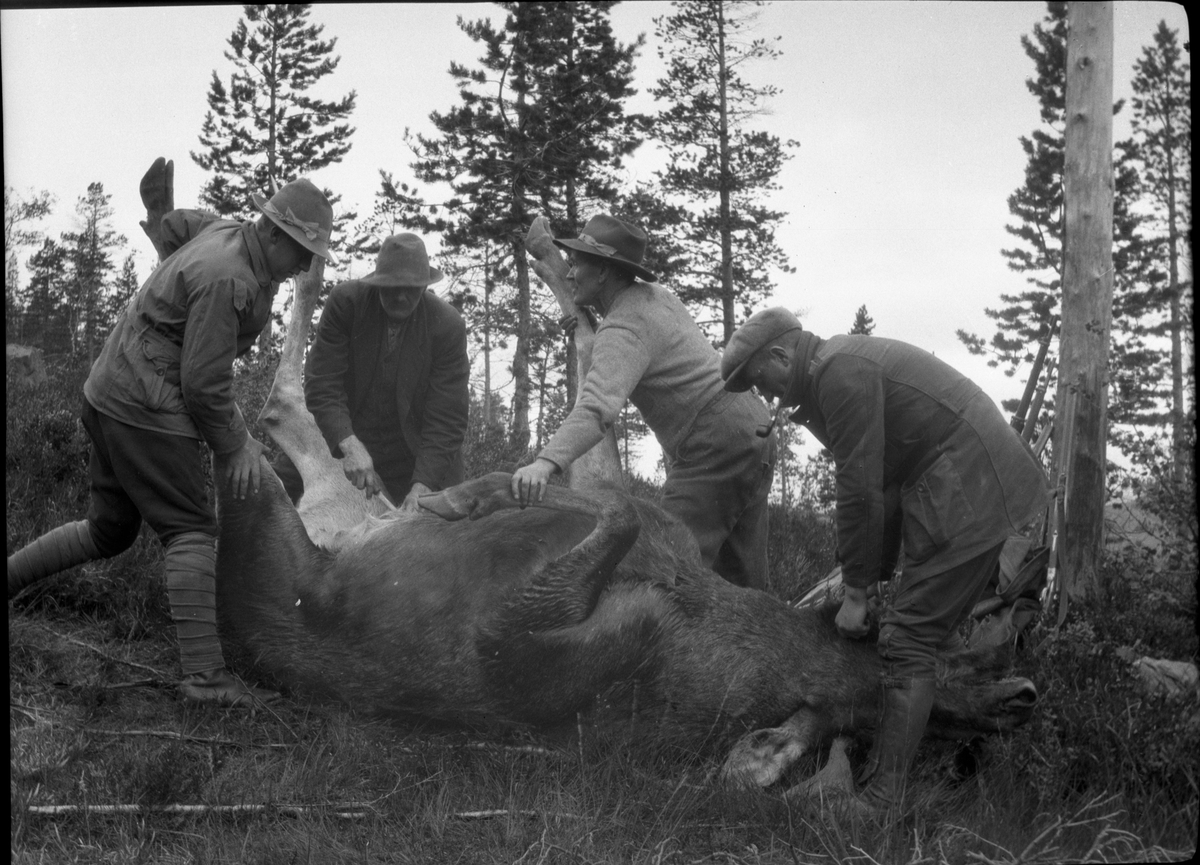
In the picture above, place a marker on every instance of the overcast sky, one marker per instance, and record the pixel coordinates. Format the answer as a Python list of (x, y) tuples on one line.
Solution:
[(908, 115)]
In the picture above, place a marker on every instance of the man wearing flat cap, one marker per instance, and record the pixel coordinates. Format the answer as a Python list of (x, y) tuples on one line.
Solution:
[(387, 379), (650, 351), (163, 383), (921, 454)]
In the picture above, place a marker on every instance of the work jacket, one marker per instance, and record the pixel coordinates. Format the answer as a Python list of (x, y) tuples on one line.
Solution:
[(894, 415), (168, 363), (431, 389)]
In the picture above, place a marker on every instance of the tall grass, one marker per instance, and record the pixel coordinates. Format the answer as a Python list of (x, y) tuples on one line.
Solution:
[(1102, 772)]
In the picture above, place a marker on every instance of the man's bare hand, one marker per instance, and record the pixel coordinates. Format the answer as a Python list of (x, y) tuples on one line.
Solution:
[(359, 467), (243, 471), (529, 482), (412, 500), (852, 619)]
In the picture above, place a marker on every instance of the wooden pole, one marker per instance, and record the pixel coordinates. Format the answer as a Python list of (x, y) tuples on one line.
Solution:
[(1087, 295)]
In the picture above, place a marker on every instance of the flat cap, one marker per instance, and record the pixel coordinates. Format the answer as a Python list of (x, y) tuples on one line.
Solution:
[(760, 329)]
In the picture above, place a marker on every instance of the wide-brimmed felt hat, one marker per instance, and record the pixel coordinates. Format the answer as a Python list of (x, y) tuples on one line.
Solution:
[(402, 263), (608, 237), (303, 211), (759, 330)]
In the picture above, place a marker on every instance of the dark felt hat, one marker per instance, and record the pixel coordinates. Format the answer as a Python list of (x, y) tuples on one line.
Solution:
[(619, 241), (303, 211), (402, 263), (760, 329)]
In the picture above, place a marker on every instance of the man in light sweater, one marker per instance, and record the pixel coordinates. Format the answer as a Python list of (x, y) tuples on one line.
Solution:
[(649, 350)]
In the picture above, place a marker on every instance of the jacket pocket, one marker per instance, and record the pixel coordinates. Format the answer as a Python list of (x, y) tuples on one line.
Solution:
[(935, 509), (159, 370)]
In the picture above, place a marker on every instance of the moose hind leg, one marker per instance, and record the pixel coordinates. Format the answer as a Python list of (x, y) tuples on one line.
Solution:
[(547, 652)]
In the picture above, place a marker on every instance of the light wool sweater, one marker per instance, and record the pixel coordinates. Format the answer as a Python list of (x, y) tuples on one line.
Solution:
[(648, 350)]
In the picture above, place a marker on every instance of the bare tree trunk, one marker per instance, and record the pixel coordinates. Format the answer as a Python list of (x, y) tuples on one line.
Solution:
[(727, 309), (1087, 295), (1178, 408), (518, 433)]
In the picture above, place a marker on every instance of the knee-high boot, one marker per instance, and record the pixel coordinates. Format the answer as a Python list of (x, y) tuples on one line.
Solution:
[(906, 707), (64, 547)]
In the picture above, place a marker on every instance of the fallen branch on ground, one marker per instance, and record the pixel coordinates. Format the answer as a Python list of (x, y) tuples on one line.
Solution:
[(346, 810), (504, 812), (170, 734), (159, 674)]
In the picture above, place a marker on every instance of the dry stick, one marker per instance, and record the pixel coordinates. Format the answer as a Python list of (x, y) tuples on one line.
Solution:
[(139, 683), (169, 734), (158, 673), (504, 812), (343, 810)]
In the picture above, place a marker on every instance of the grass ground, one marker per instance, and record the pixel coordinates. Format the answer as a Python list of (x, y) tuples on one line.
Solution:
[(1102, 773)]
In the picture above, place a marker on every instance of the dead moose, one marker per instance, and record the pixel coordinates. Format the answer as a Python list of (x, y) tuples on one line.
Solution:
[(595, 601)]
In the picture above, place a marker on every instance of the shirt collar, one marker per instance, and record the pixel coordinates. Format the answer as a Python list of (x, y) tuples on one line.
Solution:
[(258, 256), (801, 376)]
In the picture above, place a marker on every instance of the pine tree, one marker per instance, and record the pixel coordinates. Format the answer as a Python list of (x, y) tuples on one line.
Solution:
[(1162, 126), (863, 323), (536, 127), (124, 287), (264, 129), (20, 217), (718, 164), (46, 311), (1037, 207), (90, 253)]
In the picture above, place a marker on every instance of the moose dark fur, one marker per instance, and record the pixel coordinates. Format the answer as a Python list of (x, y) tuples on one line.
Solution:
[(594, 602)]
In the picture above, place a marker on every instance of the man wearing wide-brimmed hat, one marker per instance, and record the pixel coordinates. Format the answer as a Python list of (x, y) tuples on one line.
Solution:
[(650, 351), (387, 378), (161, 384), (900, 422)]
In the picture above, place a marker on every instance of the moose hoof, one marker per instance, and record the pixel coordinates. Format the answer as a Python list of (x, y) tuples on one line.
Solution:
[(538, 241), (834, 780), (472, 499)]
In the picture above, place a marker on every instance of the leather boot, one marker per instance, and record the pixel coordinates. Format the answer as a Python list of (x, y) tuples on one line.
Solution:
[(65, 547), (906, 707)]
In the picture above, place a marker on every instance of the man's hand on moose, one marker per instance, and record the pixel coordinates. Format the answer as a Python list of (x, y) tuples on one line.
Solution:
[(852, 619), (243, 471), (359, 467), (532, 479), (412, 500)]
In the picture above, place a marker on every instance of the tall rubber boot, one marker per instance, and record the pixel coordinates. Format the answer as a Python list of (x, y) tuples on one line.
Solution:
[(191, 561), (65, 547), (906, 707)]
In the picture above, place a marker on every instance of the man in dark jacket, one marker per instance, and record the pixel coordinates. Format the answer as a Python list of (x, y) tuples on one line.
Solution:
[(162, 384), (921, 454), (387, 379)]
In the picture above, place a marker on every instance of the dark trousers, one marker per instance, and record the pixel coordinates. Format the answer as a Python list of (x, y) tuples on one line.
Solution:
[(717, 486), (927, 611), (138, 474)]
